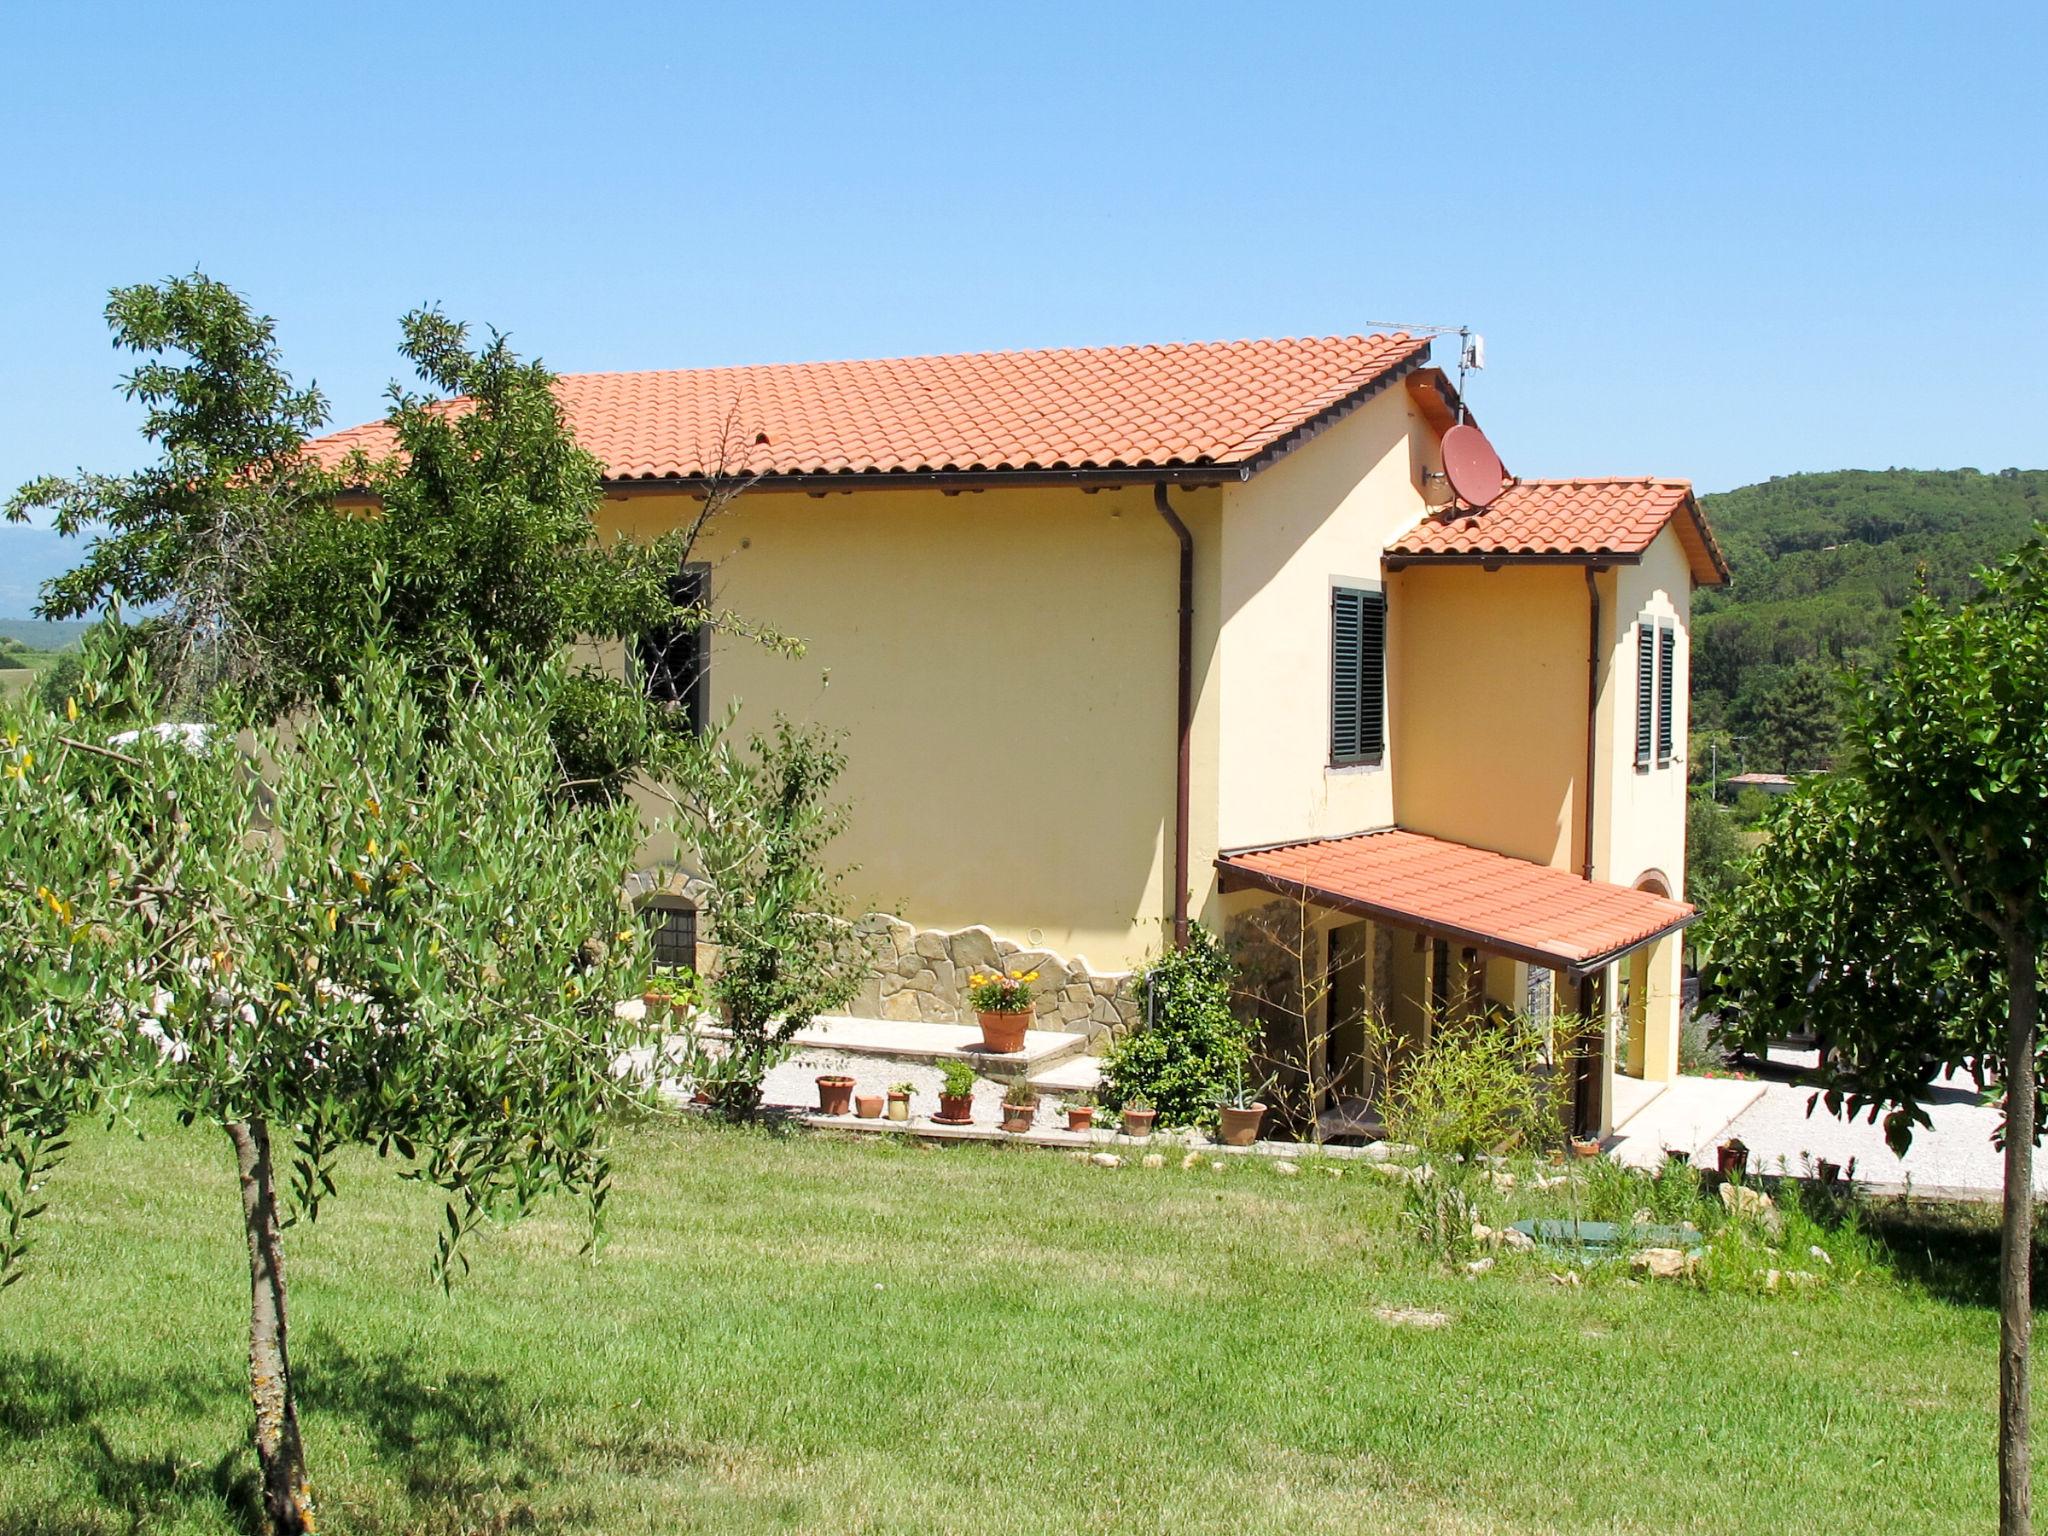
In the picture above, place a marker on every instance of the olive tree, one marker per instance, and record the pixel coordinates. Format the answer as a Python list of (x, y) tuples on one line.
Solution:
[(382, 926), (1904, 909)]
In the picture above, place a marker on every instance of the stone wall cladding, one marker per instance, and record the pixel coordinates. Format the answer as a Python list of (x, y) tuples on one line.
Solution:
[(922, 974)]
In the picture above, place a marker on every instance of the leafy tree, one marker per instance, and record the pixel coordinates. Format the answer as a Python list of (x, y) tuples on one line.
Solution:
[(1906, 906), (195, 533), (759, 821), (1714, 848), (270, 566), (383, 927), (1195, 1049), (1789, 717)]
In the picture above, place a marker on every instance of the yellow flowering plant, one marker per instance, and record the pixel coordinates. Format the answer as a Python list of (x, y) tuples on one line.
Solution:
[(1000, 991)]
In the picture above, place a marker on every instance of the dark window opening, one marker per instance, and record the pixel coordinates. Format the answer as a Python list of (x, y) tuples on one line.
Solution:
[(675, 661), (1358, 675), (673, 927)]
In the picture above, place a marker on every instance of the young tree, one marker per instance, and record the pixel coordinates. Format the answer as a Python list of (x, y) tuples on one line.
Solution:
[(759, 822), (382, 927), (270, 570), (193, 535), (1905, 908)]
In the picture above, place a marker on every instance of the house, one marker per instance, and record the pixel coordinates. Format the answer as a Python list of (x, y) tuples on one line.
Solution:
[(1124, 637), (1765, 783)]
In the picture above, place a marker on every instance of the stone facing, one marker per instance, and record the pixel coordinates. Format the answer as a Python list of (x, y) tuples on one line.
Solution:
[(922, 974)]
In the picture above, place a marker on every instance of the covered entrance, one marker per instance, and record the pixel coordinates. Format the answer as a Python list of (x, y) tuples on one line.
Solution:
[(1390, 934)]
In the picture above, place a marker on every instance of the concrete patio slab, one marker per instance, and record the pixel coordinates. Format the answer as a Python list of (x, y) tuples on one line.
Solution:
[(1689, 1115)]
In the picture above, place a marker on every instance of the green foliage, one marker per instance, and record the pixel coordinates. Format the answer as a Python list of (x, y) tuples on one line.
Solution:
[(473, 539), (957, 1078), (1019, 1092), (1843, 923), (1714, 850), (759, 822), (1193, 1048), (1474, 1088), (1823, 565), (196, 533)]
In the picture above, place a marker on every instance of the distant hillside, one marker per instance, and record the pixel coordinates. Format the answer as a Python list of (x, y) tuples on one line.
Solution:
[(1823, 564), (28, 558)]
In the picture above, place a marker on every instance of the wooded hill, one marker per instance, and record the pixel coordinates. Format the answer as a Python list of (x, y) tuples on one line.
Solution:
[(1823, 563)]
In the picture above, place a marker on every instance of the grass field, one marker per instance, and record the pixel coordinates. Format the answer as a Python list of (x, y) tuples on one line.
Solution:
[(805, 1334)]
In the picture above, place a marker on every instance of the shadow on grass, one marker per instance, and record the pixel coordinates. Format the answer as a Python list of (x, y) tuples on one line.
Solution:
[(1949, 1251), (452, 1441)]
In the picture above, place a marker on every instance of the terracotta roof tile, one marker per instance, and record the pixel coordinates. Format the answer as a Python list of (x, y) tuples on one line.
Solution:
[(1187, 405), (1510, 906), (1568, 519)]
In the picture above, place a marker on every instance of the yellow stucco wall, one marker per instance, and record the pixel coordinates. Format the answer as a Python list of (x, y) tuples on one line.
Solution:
[(1489, 725), (1317, 518), (1644, 829), (1002, 666)]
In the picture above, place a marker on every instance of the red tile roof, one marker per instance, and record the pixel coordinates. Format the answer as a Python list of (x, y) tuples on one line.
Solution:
[(1098, 408), (1548, 917), (1576, 520)]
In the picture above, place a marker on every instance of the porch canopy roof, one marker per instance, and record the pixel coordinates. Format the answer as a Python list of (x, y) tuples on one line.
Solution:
[(1531, 912)]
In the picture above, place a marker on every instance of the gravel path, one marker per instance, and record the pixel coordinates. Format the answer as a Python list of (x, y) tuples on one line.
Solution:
[(1955, 1156), (795, 1083)]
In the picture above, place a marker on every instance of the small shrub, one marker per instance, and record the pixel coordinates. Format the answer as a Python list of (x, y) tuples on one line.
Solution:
[(1193, 1049), (958, 1078), (1475, 1087), (1020, 1092), (1440, 1209)]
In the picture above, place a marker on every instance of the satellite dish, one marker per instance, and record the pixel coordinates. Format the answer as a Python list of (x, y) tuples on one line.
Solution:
[(1472, 467)]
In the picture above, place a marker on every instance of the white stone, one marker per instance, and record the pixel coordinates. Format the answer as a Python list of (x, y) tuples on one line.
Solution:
[(1154, 1160), (1516, 1241), (1106, 1160), (1192, 1160), (1479, 1266), (1821, 1254), (1285, 1167)]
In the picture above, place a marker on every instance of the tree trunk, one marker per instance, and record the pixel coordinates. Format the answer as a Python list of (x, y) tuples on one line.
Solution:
[(2015, 1261), (287, 1498)]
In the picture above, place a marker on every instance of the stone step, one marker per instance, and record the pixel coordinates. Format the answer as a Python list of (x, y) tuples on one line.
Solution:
[(1076, 1074), (904, 1040)]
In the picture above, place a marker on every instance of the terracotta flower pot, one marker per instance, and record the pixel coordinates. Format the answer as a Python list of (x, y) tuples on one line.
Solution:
[(1138, 1122), (1018, 1117), (868, 1106), (1731, 1158), (1080, 1117), (899, 1106), (1240, 1126), (1829, 1173), (1585, 1146), (1003, 1033), (656, 1003), (835, 1093), (955, 1108)]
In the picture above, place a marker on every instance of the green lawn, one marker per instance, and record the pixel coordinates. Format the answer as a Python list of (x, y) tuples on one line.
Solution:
[(803, 1334)]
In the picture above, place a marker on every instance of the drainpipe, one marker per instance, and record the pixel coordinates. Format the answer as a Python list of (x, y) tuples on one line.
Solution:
[(1186, 711), (1592, 714)]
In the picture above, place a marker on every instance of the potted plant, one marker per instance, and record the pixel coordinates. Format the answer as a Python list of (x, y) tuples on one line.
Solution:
[(655, 996), (1241, 1114), (868, 1106), (1002, 1001), (1732, 1157), (899, 1102), (1828, 1172), (956, 1093), (1020, 1105), (835, 1093), (1080, 1111), (1585, 1146), (1138, 1115)]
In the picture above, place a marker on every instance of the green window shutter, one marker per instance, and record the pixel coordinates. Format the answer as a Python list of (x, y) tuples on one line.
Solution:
[(1667, 653), (1372, 676), (1358, 675), (1347, 626), (1646, 692)]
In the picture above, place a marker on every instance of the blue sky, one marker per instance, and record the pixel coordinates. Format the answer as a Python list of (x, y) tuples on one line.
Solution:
[(1717, 241)]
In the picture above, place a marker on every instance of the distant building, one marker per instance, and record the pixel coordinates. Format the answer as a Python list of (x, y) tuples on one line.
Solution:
[(1769, 783)]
